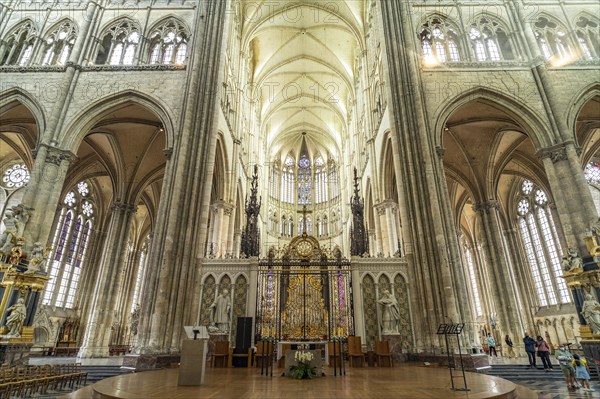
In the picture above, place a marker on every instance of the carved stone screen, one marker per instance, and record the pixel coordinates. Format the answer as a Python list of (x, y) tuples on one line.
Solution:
[(208, 297), (370, 311)]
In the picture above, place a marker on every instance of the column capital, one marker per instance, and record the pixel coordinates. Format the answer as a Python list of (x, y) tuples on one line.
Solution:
[(225, 206), (124, 207), (486, 206), (556, 153), (55, 155)]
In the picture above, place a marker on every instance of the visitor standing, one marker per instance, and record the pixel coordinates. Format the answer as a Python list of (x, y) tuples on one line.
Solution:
[(582, 372), (530, 349), (491, 344), (509, 345), (544, 353), (565, 359)]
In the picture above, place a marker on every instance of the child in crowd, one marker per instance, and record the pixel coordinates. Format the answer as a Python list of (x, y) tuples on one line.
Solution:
[(582, 373)]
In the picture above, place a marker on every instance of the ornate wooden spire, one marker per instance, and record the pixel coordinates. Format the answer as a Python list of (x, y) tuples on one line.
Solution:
[(250, 245), (359, 244)]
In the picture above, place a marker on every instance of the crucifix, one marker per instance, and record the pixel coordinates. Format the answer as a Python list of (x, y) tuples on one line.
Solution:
[(304, 212)]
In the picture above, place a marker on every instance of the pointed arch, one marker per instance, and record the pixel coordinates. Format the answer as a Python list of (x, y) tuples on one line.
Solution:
[(527, 119), (83, 122), (22, 96)]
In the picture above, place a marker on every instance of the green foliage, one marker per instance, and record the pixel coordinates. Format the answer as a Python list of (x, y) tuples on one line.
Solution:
[(303, 371)]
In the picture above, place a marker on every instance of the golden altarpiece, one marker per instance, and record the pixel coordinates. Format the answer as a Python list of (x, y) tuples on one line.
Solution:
[(583, 279), (304, 293)]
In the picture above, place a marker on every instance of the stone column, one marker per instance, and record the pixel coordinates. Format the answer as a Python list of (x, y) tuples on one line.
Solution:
[(183, 211), (381, 222), (237, 239), (573, 200), (421, 192), (97, 332), (507, 305), (42, 193), (372, 242), (357, 300), (392, 233)]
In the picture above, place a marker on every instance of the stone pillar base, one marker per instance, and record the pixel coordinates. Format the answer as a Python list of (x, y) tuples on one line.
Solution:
[(395, 343), (93, 351), (133, 362)]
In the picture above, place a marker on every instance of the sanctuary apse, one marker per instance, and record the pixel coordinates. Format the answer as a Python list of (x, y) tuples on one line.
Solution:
[(130, 133)]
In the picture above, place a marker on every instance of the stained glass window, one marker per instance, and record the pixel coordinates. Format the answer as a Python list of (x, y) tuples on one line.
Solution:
[(19, 44), (304, 181), (71, 240), (288, 181), (16, 176), (59, 44), (541, 245), (119, 44), (587, 37), (471, 268), (168, 43), (439, 41), (552, 38), (592, 172)]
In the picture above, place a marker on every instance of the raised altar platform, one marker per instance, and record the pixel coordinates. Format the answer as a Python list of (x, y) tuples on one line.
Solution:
[(472, 362), (408, 380)]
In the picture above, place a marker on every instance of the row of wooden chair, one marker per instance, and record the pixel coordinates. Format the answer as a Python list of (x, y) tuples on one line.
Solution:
[(265, 349), (30, 380)]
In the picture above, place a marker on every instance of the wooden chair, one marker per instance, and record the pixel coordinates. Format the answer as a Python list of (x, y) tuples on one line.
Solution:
[(264, 352), (336, 355), (355, 353), (382, 350), (221, 352), (281, 360)]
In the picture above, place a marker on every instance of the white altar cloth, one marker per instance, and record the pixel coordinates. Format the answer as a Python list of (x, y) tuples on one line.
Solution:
[(316, 343)]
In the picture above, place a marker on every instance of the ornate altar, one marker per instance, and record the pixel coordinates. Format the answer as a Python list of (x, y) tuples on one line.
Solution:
[(583, 278), (304, 292), (22, 280)]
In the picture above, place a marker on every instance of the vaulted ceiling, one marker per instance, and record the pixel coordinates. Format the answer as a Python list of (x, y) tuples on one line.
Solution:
[(304, 68)]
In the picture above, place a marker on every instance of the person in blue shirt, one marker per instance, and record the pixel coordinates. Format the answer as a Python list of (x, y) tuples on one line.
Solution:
[(530, 349), (491, 344)]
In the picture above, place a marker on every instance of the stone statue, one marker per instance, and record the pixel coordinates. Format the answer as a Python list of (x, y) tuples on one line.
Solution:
[(220, 315), (15, 320), (591, 313), (595, 229), (135, 319), (38, 259), (7, 237), (21, 215), (390, 313), (572, 261)]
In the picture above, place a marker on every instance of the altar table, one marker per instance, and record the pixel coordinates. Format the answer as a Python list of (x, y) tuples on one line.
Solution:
[(309, 343)]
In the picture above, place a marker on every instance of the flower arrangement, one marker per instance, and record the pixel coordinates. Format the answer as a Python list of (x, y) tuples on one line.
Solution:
[(302, 369)]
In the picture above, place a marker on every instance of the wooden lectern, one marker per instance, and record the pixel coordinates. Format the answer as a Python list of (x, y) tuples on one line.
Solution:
[(193, 357)]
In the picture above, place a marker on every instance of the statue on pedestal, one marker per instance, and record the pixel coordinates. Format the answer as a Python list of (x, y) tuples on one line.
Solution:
[(220, 316), (15, 320), (390, 314), (135, 320), (591, 313)]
